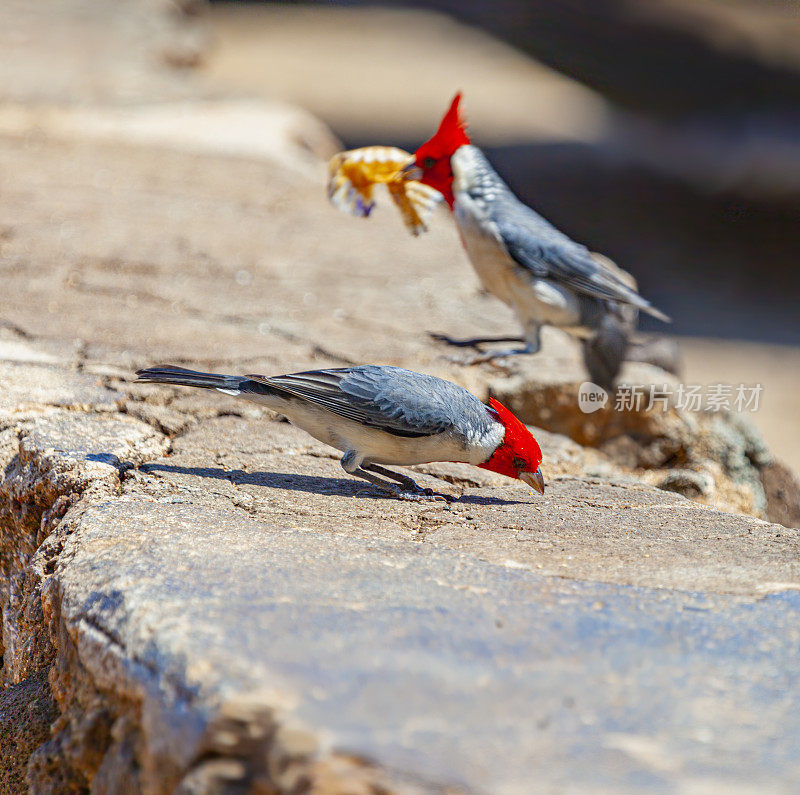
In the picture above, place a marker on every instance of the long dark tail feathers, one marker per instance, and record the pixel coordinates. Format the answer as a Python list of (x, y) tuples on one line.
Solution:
[(659, 351), (179, 376), (605, 352), (231, 384), (656, 313)]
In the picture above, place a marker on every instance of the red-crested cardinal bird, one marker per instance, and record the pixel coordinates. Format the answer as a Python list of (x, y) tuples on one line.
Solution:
[(385, 415), (541, 274)]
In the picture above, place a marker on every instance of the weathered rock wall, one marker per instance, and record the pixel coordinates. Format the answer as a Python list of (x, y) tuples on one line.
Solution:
[(194, 597), (222, 608)]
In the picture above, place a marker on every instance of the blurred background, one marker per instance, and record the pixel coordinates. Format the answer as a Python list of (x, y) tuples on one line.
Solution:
[(664, 134)]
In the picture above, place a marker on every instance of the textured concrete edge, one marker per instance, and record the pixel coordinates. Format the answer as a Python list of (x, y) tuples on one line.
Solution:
[(716, 458), (245, 741), (42, 496), (113, 707), (101, 706)]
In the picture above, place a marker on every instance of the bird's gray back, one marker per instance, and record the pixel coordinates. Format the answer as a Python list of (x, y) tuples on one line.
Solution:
[(532, 241), (398, 401), (489, 192)]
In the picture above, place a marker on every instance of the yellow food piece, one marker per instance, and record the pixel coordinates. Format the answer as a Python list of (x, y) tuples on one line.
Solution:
[(353, 175)]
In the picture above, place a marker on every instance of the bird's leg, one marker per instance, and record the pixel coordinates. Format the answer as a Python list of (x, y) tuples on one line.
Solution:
[(406, 482), (489, 356), (403, 480), (413, 492), (532, 345), (351, 463), (473, 342)]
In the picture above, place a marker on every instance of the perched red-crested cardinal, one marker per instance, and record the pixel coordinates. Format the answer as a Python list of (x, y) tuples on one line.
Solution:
[(541, 274), (385, 415)]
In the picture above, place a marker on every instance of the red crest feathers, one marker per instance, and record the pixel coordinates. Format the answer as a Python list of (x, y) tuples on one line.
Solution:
[(450, 135), (515, 428), (433, 157), (452, 131), (517, 444)]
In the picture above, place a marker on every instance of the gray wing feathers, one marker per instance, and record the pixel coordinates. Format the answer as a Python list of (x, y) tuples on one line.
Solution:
[(549, 254), (536, 245), (390, 398), (316, 386)]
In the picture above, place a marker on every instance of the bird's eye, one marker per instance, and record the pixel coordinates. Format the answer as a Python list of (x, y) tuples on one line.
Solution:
[(519, 463), (429, 162)]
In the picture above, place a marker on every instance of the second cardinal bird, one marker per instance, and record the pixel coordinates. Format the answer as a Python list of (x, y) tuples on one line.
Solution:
[(385, 415), (541, 274)]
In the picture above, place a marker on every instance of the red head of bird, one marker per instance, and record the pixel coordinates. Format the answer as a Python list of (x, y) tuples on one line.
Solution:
[(519, 454), (433, 157)]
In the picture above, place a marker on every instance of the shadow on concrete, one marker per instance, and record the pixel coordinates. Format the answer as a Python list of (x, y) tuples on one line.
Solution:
[(313, 484)]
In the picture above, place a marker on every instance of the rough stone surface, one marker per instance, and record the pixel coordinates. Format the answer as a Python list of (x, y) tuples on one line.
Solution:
[(717, 458), (239, 613), (27, 710), (194, 597), (579, 528), (61, 458), (384, 644), (783, 497)]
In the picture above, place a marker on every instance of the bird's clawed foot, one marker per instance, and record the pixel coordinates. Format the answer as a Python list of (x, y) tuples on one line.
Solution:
[(470, 359), (498, 359), (408, 495), (483, 356), (423, 495), (411, 492)]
